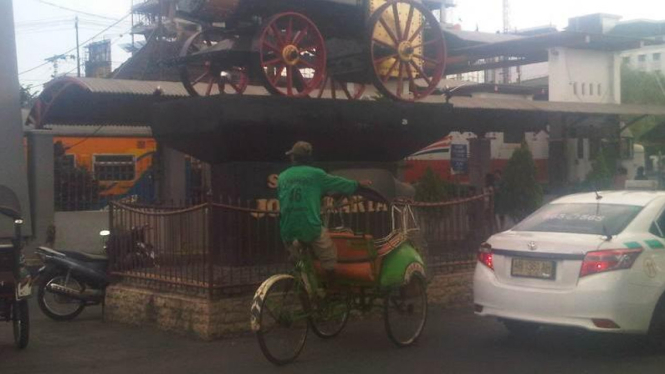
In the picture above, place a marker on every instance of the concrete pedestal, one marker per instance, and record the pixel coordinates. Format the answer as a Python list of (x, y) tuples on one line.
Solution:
[(212, 319)]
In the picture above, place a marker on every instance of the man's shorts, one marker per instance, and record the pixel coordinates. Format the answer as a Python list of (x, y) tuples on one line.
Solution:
[(323, 247)]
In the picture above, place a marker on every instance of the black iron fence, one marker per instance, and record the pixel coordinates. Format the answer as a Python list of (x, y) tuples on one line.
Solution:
[(121, 178), (227, 246)]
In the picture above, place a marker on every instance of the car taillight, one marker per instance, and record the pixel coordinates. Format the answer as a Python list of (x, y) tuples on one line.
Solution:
[(485, 255), (608, 260)]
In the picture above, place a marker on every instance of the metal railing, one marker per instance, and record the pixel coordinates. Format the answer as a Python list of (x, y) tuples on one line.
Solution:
[(452, 231), (78, 189), (227, 246)]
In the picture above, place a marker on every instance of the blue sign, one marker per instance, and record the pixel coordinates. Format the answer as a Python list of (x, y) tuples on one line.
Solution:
[(459, 160)]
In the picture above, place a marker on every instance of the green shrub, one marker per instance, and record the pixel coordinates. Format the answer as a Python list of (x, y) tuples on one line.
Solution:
[(431, 187), (519, 194), (601, 176)]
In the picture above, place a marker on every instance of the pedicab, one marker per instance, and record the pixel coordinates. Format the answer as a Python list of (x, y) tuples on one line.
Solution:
[(306, 47), (15, 285), (386, 274)]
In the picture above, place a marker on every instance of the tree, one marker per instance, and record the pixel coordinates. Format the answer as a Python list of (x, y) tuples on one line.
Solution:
[(431, 187), (601, 176), (638, 87), (28, 97), (520, 194)]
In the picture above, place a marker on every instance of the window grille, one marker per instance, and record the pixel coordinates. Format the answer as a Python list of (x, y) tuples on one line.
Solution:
[(114, 167)]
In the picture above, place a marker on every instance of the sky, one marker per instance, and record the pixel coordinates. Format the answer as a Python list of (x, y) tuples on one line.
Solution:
[(44, 30), (487, 14)]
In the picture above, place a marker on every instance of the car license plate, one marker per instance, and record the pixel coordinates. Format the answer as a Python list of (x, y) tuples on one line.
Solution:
[(530, 268)]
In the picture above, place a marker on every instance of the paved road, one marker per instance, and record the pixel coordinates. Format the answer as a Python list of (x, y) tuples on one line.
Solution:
[(454, 342)]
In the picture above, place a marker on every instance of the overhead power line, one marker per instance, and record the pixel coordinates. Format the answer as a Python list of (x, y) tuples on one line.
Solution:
[(76, 10), (83, 43)]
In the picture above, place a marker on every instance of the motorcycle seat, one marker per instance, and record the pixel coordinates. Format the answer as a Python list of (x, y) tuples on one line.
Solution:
[(85, 257)]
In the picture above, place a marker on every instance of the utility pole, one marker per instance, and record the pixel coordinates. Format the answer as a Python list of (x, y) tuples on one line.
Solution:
[(132, 32), (506, 29), (506, 16), (78, 52), (160, 39)]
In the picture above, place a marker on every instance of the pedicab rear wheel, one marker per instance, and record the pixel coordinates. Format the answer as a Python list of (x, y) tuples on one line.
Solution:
[(329, 322), (21, 322), (405, 312), (283, 321)]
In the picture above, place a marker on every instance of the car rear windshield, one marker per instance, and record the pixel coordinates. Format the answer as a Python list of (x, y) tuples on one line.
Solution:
[(595, 219)]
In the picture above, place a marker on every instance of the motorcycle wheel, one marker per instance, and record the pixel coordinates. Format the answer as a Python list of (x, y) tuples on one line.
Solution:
[(59, 307), (21, 321)]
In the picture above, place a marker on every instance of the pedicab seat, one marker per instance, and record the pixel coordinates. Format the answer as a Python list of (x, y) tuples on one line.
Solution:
[(359, 256), (355, 261)]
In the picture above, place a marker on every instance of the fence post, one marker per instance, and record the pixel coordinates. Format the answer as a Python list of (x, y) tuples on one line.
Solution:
[(492, 214), (209, 241), (111, 229)]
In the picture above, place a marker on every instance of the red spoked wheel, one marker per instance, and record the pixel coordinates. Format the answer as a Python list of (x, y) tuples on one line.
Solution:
[(339, 90), (292, 55), (407, 48), (206, 77)]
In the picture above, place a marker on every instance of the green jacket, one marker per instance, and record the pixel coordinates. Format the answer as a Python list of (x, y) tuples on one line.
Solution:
[(300, 190)]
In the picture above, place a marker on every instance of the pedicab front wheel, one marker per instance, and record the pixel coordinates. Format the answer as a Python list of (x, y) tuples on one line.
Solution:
[(21, 321), (405, 312), (280, 319)]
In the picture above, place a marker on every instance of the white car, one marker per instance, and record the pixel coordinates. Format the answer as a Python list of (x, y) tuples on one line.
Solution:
[(593, 261)]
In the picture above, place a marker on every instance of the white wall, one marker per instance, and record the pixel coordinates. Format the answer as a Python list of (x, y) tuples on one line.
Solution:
[(651, 63), (79, 231), (533, 71), (574, 71), (583, 76), (538, 145)]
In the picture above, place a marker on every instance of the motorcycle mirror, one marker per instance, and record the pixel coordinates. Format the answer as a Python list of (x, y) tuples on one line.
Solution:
[(104, 233)]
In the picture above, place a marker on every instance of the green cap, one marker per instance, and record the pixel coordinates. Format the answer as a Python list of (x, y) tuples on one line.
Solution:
[(300, 149)]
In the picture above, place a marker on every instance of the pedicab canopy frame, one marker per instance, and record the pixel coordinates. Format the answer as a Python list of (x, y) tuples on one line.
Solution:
[(386, 259), (14, 284), (9, 203), (10, 207)]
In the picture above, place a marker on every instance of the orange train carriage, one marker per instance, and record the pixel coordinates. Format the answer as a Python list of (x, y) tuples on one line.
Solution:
[(118, 164)]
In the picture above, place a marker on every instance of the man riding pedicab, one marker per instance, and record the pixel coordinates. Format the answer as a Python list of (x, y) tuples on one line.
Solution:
[(300, 190)]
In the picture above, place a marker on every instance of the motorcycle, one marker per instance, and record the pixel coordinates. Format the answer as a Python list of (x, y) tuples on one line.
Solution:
[(70, 281)]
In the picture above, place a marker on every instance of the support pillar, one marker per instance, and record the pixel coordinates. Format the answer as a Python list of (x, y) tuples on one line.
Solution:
[(480, 161), (173, 183), (41, 178), (12, 153), (557, 162)]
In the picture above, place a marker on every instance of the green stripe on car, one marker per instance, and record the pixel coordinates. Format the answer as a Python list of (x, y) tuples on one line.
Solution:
[(655, 244), (632, 245)]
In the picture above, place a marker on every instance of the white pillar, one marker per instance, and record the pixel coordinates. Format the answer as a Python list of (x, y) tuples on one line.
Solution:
[(174, 185), (12, 154), (41, 176), (480, 152)]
